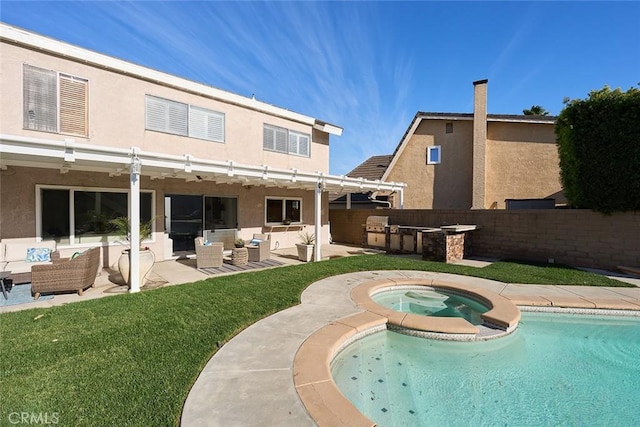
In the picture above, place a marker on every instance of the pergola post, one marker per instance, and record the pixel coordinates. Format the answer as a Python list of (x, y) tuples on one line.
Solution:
[(134, 224), (318, 222)]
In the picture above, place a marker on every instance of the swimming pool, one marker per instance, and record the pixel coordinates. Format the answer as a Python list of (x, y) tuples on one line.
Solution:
[(556, 369)]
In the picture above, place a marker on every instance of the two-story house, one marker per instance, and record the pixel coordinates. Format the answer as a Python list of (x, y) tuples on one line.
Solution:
[(476, 160), (85, 138)]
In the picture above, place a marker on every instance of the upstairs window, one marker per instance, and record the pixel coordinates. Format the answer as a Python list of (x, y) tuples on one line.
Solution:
[(298, 143), (54, 102), (177, 118), (285, 141), (433, 155), (275, 138)]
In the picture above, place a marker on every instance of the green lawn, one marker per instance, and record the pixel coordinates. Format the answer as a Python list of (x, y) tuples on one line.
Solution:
[(130, 360)]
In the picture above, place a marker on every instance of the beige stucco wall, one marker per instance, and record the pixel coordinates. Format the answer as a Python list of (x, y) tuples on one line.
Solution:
[(522, 162), (117, 116), (442, 186)]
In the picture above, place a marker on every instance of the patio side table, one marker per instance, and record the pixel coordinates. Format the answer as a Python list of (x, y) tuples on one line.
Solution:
[(239, 256)]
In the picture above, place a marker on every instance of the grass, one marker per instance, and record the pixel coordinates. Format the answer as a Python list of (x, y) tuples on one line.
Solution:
[(130, 360)]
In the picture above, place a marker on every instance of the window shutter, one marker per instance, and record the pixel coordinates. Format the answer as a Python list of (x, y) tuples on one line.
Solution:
[(275, 138), (304, 146), (281, 140), (206, 124), (178, 118), (268, 138), (166, 116), (73, 105), (156, 114), (40, 107), (299, 143), (293, 143)]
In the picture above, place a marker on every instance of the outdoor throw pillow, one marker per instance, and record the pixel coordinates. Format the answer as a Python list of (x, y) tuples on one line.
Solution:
[(255, 241), (38, 255)]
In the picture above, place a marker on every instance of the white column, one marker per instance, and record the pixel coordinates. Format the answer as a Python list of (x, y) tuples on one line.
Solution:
[(401, 198), (348, 200), (134, 222), (318, 222)]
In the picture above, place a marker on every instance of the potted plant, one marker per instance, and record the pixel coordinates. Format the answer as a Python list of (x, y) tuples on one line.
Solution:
[(305, 248), (286, 221), (239, 243), (122, 227)]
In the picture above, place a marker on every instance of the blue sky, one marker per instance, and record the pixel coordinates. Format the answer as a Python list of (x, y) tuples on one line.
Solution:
[(365, 66)]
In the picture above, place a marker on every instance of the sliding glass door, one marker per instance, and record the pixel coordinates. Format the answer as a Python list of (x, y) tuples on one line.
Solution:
[(186, 216)]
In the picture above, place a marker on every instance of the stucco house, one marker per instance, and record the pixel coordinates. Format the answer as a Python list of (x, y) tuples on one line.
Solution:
[(477, 160), (85, 137)]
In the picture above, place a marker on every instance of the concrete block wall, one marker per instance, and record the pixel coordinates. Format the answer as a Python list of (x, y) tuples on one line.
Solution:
[(575, 237)]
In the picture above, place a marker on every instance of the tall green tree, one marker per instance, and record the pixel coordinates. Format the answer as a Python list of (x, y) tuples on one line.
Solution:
[(535, 110), (599, 149)]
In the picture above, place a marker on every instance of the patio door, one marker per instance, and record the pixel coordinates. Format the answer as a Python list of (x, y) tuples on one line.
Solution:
[(186, 216)]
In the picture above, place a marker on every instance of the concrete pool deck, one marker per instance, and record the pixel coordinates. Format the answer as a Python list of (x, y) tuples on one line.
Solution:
[(250, 380)]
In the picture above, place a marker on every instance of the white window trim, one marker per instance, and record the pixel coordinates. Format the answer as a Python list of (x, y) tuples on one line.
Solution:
[(284, 207), (72, 237), (436, 149)]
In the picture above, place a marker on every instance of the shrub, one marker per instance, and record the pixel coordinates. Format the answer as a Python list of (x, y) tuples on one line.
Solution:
[(599, 149)]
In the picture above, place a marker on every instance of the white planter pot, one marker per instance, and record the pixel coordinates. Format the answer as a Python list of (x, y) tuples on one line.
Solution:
[(305, 252), (147, 258)]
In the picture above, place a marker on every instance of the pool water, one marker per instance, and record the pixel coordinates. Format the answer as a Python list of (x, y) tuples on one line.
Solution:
[(556, 369), (431, 303)]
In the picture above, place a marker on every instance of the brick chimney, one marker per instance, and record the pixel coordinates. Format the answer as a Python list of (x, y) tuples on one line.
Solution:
[(479, 143)]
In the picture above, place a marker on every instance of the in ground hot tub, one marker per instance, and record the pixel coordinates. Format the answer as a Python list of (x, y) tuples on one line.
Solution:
[(431, 302), (438, 309)]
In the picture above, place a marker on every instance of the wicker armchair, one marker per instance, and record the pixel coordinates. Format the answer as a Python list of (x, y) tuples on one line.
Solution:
[(66, 274), (208, 256), (261, 250)]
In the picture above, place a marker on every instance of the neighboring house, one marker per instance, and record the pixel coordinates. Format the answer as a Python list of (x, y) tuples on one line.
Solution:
[(477, 160), (372, 169), (85, 137)]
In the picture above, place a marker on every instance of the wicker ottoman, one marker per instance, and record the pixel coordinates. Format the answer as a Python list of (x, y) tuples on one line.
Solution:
[(239, 256)]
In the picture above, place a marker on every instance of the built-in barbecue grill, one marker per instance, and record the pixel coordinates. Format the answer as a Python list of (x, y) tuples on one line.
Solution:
[(377, 224), (375, 231)]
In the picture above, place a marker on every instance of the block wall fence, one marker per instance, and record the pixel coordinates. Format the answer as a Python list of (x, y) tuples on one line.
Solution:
[(580, 238)]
